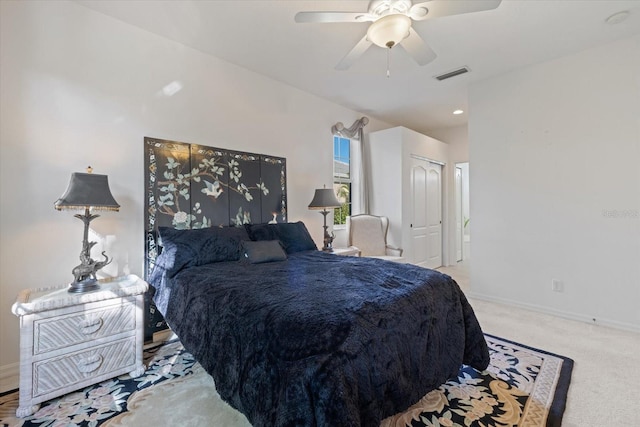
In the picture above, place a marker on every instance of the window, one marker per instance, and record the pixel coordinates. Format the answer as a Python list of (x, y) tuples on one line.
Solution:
[(342, 178)]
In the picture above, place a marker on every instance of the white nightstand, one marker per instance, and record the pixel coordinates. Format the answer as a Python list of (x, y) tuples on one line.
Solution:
[(70, 341), (350, 251)]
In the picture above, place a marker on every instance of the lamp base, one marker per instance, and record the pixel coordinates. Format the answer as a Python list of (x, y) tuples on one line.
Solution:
[(82, 286), (328, 238)]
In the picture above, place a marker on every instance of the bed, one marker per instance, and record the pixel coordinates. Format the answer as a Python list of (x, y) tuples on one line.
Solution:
[(294, 336)]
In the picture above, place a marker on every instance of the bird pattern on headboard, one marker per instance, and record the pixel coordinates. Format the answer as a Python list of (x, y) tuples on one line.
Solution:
[(196, 186)]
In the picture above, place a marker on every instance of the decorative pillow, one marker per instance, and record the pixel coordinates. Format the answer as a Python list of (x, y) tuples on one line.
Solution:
[(263, 251), (294, 235), (190, 248)]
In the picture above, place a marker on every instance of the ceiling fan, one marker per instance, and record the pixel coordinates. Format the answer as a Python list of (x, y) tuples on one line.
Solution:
[(391, 24)]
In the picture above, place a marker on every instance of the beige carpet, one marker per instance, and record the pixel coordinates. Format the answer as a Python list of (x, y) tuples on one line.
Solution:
[(606, 370), (149, 407)]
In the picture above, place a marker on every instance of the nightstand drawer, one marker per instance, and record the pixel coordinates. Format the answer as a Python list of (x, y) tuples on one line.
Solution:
[(71, 369), (64, 331)]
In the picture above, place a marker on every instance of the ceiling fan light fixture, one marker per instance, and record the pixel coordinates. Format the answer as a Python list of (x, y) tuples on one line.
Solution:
[(389, 30)]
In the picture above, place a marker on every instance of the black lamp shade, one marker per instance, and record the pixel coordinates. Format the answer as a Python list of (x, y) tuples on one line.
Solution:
[(87, 190), (324, 198)]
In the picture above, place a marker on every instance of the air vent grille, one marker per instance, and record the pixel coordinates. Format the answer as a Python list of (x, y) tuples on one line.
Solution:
[(453, 73)]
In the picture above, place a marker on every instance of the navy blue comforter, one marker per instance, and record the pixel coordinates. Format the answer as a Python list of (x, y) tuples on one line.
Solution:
[(320, 339)]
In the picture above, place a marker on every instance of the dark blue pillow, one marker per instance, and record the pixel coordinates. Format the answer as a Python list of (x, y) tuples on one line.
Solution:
[(294, 235), (262, 251), (190, 248)]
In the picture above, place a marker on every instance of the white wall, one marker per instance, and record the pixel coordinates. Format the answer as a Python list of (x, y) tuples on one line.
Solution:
[(457, 138), (385, 174), (554, 152), (79, 88)]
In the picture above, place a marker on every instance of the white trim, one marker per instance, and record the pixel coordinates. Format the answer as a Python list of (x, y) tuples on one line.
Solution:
[(9, 376), (559, 313)]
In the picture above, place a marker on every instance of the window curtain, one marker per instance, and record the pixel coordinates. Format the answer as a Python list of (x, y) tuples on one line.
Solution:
[(356, 131)]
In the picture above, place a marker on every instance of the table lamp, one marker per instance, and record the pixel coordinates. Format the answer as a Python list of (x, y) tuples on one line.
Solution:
[(87, 191), (325, 198)]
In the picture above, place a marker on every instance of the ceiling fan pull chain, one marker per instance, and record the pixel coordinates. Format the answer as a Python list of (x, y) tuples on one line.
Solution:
[(388, 53)]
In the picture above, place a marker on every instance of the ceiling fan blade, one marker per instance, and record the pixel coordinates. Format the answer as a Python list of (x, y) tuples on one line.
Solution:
[(417, 48), (354, 54), (437, 8), (324, 17)]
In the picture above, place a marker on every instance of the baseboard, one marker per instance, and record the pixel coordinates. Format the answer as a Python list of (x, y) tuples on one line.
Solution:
[(9, 377), (559, 313)]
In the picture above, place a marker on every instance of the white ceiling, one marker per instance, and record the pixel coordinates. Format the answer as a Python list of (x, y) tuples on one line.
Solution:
[(261, 35)]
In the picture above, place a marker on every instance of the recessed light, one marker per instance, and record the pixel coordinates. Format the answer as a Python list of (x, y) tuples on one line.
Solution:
[(617, 18), (457, 112)]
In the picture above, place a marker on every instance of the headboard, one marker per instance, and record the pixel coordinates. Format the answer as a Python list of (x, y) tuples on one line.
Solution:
[(195, 186)]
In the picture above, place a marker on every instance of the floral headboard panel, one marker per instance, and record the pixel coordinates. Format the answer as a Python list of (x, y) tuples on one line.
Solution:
[(195, 186)]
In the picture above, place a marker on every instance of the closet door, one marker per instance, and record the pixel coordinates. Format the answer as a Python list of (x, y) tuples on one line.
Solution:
[(434, 215), (419, 226), (426, 213)]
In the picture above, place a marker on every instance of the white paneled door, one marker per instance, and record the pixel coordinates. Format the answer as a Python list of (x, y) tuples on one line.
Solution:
[(434, 215), (419, 229), (426, 213)]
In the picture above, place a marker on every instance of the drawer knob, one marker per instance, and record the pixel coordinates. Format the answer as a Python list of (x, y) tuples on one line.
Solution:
[(89, 326), (90, 364)]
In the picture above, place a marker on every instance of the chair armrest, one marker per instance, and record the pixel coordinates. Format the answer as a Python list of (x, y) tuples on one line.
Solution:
[(393, 251)]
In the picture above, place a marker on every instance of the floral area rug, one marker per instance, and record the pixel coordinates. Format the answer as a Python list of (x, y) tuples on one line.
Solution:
[(521, 387)]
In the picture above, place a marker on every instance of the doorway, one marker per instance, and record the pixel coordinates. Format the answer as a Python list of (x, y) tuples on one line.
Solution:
[(459, 215), (463, 219)]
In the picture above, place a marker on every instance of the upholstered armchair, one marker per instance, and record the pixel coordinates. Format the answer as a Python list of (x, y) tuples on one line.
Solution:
[(369, 234)]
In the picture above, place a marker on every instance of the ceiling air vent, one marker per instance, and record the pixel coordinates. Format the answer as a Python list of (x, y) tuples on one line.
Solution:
[(453, 73)]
